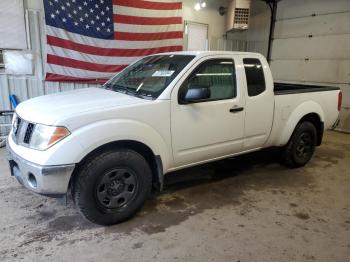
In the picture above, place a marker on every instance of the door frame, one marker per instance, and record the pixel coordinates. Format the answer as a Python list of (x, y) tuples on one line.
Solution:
[(188, 22), (239, 95)]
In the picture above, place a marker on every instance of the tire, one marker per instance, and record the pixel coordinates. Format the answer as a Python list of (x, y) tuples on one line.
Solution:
[(112, 187), (301, 145)]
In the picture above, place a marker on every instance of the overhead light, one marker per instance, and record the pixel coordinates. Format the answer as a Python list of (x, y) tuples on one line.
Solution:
[(197, 7)]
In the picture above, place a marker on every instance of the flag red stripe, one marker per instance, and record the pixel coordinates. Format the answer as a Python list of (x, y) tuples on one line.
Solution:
[(147, 36), (138, 20), (93, 50), (62, 78), (64, 61), (148, 4)]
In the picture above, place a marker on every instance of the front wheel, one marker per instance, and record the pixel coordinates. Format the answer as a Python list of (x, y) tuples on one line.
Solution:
[(301, 145), (112, 186)]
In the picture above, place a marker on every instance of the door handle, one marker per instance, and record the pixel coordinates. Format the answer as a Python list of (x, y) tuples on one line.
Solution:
[(236, 109)]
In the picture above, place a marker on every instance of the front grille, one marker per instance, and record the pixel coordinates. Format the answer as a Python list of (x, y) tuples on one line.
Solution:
[(28, 134), (22, 131)]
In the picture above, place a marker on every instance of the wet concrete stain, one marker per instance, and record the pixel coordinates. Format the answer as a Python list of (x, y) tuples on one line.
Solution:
[(329, 156), (43, 215), (303, 216), (137, 245), (69, 223)]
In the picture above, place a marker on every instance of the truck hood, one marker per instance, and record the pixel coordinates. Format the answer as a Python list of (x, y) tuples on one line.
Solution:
[(50, 109)]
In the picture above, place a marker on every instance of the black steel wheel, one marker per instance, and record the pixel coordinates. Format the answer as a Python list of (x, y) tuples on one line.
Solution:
[(301, 145), (116, 188), (304, 145), (112, 186)]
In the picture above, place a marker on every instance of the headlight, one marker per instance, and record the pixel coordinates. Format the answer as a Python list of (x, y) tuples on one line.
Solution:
[(14, 125), (45, 136)]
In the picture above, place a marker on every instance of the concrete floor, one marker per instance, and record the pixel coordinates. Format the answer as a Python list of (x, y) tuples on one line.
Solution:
[(244, 209)]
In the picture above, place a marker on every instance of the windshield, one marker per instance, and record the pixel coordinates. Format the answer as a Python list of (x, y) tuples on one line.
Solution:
[(148, 77)]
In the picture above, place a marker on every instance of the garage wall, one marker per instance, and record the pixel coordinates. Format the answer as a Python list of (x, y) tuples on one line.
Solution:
[(256, 37), (209, 15), (312, 44)]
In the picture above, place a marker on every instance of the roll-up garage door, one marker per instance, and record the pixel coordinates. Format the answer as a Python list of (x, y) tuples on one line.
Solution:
[(312, 44)]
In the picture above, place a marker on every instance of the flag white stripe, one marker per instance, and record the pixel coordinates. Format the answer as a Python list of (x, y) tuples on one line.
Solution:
[(75, 72), (109, 60), (86, 40), (146, 28), (140, 12)]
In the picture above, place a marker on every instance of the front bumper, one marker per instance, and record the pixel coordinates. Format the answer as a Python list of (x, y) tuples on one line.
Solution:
[(45, 180)]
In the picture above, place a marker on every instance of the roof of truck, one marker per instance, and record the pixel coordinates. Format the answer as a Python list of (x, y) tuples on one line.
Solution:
[(205, 53)]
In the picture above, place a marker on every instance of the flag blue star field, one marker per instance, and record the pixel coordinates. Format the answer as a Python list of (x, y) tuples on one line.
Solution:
[(91, 40)]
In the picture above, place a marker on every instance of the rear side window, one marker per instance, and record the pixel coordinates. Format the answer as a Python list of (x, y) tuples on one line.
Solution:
[(255, 76)]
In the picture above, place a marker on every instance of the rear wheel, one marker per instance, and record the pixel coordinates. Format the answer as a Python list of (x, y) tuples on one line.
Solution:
[(301, 146), (112, 187)]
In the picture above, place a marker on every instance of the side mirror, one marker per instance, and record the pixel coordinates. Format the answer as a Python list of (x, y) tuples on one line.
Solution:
[(196, 93)]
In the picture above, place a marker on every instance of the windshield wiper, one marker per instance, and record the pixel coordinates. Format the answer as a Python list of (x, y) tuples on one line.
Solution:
[(126, 90)]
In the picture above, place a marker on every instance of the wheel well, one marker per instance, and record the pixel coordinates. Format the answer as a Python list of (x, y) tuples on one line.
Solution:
[(154, 161), (316, 121)]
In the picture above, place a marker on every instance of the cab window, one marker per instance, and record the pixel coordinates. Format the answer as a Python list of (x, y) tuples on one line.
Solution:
[(255, 76), (218, 75)]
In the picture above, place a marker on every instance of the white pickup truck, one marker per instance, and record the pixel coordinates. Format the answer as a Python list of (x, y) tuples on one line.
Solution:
[(110, 146)]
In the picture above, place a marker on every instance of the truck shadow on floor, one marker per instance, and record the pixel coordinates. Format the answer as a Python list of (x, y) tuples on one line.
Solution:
[(214, 185), (219, 170)]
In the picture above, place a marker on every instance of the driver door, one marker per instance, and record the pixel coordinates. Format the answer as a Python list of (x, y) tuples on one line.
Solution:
[(208, 128)]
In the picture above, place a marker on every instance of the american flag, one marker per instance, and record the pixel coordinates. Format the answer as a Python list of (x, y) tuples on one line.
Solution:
[(91, 40)]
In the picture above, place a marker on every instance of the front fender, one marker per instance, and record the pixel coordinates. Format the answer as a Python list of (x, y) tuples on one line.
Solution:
[(295, 116), (99, 133)]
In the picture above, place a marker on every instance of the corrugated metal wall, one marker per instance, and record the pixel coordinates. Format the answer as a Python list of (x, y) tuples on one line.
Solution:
[(312, 44)]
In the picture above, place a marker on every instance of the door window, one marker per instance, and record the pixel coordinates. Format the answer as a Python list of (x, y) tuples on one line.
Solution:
[(218, 75), (255, 76)]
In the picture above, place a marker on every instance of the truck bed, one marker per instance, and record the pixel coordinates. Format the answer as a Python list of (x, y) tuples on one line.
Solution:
[(285, 89)]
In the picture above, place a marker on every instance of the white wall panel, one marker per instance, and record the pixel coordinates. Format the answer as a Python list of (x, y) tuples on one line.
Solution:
[(323, 58), (344, 124), (321, 71), (320, 47), (12, 27), (313, 25), (344, 72), (346, 94), (298, 8)]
